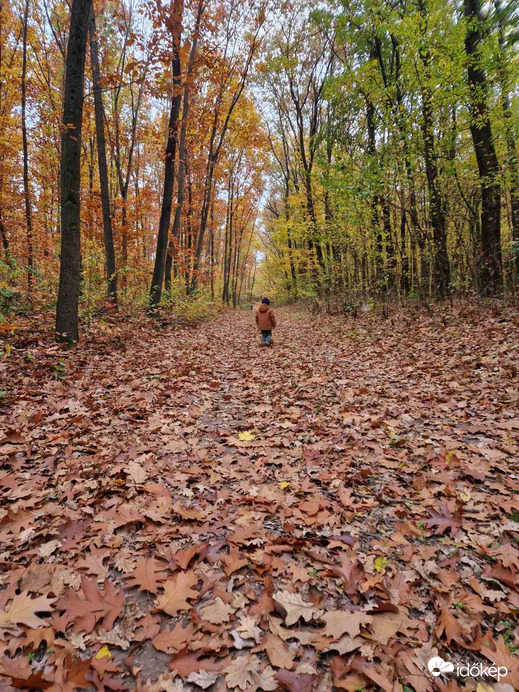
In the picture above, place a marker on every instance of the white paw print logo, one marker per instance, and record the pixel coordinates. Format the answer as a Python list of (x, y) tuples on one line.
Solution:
[(437, 666)]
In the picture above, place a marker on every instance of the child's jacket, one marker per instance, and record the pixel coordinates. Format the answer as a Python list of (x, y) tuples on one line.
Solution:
[(265, 318)]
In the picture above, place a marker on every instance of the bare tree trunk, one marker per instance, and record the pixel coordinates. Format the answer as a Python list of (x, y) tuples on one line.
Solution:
[(103, 167), (67, 322), (182, 150), (227, 251), (293, 273), (375, 217), (437, 210), (491, 263), (211, 248), (405, 278), (26, 191), (511, 144), (169, 162), (5, 244)]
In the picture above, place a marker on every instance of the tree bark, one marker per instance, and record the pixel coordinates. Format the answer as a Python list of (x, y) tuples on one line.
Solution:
[(67, 322), (169, 161), (375, 200), (491, 273), (437, 211), (103, 167), (511, 144), (182, 149), (5, 245), (26, 189)]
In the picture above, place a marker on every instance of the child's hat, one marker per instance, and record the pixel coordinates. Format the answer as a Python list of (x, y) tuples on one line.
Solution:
[(266, 301)]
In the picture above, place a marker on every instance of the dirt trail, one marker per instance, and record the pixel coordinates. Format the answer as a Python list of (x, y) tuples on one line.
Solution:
[(334, 510)]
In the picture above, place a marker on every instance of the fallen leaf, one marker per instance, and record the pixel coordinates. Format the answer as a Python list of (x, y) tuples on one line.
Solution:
[(295, 607), (177, 591), (339, 622), (147, 575), (217, 612), (22, 611)]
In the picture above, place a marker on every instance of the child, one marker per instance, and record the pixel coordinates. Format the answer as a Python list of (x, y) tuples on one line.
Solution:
[(266, 321)]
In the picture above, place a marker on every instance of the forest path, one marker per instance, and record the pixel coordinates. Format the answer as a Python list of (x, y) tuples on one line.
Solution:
[(350, 490)]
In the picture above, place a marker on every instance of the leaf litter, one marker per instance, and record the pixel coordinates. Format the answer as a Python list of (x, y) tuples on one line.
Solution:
[(182, 510)]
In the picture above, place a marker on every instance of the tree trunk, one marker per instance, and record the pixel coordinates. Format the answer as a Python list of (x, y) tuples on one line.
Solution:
[(5, 245), (227, 250), (26, 191), (405, 282), (511, 145), (103, 167), (491, 274), (390, 250), (67, 323), (188, 233), (182, 150), (437, 212), (169, 162), (375, 200), (211, 248), (288, 221)]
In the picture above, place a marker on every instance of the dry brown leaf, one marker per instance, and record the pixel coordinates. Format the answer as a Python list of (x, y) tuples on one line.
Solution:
[(177, 591), (147, 575), (22, 611), (280, 655), (245, 673), (296, 608), (174, 640), (216, 612), (339, 622)]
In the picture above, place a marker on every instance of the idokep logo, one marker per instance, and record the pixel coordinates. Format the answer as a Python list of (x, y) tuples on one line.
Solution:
[(437, 666)]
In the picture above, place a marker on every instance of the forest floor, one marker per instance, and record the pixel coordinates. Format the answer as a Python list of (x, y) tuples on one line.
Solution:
[(183, 509)]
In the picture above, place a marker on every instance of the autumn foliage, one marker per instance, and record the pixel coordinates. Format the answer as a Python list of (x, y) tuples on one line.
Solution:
[(180, 508), (189, 511)]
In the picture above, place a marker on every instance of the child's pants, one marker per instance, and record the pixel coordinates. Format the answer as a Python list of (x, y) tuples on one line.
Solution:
[(266, 336)]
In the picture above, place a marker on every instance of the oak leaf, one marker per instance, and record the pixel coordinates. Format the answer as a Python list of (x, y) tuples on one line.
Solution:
[(387, 625), (147, 627), (244, 672), (146, 575), (22, 611), (71, 674), (339, 622), (444, 520), (249, 630), (280, 655), (296, 682), (173, 640), (88, 610), (448, 625), (204, 679), (233, 562), (295, 607), (507, 555), (177, 591), (21, 674), (217, 612), (137, 473), (500, 654), (186, 662)]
